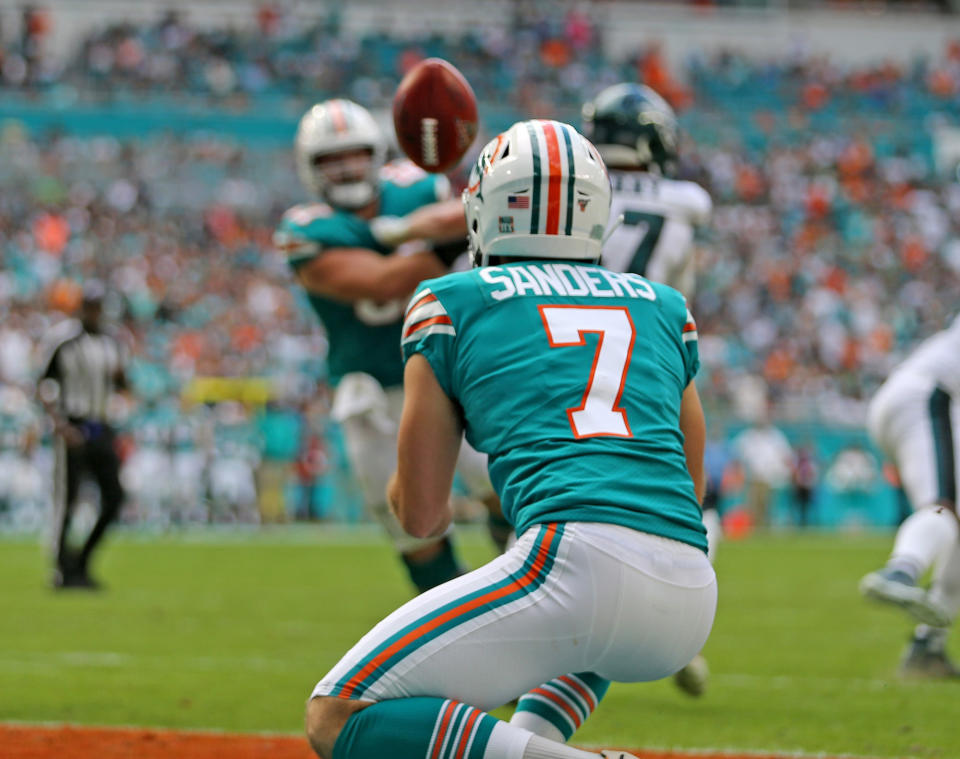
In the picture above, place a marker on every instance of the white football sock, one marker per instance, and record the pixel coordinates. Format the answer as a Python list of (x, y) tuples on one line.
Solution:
[(923, 538), (537, 725), (541, 748)]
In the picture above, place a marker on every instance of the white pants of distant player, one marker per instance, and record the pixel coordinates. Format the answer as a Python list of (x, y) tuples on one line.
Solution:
[(626, 605), (370, 418), (900, 422)]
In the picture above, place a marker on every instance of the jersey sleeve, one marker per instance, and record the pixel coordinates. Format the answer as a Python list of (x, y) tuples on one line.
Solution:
[(292, 236), (428, 329), (691, 352), (306, 231)]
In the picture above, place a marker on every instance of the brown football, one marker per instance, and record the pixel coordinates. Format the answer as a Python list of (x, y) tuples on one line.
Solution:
[(435, 115)]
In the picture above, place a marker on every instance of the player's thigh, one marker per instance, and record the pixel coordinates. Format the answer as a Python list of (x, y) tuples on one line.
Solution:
[(483, 638), (663, 610), (919, 453)]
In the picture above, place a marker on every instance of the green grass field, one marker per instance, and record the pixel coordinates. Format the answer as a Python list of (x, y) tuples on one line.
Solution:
[(231, 631)]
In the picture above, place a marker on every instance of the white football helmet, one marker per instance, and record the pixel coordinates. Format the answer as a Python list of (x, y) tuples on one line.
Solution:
[(538, 190), (332, 127)]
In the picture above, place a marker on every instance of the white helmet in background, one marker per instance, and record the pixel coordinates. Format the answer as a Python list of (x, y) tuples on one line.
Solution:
[(330, 128), (538, 190)]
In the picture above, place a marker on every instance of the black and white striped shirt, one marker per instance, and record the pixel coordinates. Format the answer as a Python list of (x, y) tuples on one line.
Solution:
[(86, 368)]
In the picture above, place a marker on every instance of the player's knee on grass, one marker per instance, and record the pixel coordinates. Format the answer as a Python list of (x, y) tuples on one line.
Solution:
[(325, 718)]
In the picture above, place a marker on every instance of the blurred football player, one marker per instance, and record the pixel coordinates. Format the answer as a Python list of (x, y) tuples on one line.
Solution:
[(577, 381), (913, 418), (359, 292), (653, 219)]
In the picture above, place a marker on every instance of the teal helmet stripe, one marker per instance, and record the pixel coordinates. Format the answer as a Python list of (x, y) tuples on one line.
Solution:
[(571, 175), (535, 201)]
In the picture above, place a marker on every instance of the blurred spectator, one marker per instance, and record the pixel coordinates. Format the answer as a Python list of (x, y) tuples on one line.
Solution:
[(766, 457), (22, 484), (236, 457), (804, 481)]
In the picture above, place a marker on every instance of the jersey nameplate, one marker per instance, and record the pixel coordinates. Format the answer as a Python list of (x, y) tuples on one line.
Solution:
[(563, 279)]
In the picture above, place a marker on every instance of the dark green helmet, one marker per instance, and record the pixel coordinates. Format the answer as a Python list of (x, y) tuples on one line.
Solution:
[(632, 126)]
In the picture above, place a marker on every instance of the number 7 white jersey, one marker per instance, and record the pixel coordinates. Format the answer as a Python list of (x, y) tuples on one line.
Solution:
[(656, 236)]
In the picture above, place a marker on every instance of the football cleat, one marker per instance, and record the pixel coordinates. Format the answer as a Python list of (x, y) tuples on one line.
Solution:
[(614, 754), (896, 588), (692, 679), (920, 661)]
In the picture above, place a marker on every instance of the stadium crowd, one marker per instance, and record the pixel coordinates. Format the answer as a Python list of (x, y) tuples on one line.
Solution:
[(834, 245)]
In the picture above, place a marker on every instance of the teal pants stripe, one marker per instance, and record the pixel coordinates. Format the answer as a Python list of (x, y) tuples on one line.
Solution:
[(939, 408), (532, 574)]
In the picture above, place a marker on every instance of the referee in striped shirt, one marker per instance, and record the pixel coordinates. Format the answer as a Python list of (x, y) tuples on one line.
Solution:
[(84, 369)]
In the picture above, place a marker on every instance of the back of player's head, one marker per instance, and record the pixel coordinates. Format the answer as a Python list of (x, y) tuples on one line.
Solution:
[(340, 128), (538, 190), (632, 127)]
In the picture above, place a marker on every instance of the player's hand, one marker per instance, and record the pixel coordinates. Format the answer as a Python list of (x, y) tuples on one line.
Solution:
[(71, 435), (390, 231)]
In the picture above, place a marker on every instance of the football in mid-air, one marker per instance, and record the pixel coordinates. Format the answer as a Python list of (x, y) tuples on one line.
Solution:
[(435, 115)]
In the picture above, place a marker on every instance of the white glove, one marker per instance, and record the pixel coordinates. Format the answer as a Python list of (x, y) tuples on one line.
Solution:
[(389, 231)]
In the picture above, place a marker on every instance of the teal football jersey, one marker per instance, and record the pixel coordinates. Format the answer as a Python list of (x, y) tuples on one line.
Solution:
[(570, 377), (362, 336)]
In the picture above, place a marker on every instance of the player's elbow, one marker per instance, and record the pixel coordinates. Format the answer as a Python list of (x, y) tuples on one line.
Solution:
[(418, 528), (425, 522), (421, 517)]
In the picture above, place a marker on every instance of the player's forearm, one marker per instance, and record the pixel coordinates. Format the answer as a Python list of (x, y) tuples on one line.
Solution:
[(363, 275), (441, 222), (419, 517), (694, 429), (399, 275)]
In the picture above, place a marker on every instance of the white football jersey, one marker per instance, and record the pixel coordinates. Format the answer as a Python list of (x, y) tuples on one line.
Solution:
[(936, 360), (656, 236)]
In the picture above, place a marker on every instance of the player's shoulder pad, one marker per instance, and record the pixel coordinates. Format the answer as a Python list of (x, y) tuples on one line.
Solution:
[(690, 197), (670, 299), (298, 236), (406, 175)]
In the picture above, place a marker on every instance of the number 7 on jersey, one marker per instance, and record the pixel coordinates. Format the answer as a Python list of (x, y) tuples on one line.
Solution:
[(599, 412)]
